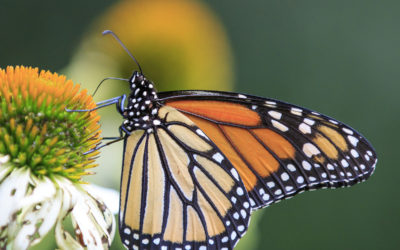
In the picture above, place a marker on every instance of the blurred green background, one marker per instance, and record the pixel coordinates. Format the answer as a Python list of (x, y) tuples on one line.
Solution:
[(340, 58)]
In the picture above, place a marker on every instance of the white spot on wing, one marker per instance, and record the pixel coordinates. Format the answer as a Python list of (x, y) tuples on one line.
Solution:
[(334, 122), (300, 179), (243, 213), (284, 176), (279, 126), (309, 150), (242, 96), (252, 202), (354, 153), (309, 121), (235, 174), (199, 132), (353, 140), (306, 165), (270, 104), (239, 191), (275, 114), (304, 128), (296, 111), (271, 184), (233, 235), (348, 131), (218, 157), (291, 167)]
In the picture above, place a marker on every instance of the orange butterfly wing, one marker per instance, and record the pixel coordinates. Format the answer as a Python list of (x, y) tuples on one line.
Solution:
[(278, 149)]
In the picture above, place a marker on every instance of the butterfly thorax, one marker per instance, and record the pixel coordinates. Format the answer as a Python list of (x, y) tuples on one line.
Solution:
[(141, 109)]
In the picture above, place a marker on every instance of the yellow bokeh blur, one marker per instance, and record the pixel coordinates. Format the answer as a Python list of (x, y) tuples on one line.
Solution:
[(180, 44)]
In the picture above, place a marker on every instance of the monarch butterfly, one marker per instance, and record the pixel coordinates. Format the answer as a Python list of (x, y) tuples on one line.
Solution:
[(197, 163)]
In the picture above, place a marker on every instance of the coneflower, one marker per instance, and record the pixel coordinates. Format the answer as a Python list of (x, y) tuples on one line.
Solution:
[(42, 161)]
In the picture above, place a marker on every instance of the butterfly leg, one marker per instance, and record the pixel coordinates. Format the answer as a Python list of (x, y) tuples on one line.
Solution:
[(99, 146), (114, 139)]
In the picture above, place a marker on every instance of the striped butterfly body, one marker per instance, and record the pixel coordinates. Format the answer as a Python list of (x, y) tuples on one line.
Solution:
[(196, 163)]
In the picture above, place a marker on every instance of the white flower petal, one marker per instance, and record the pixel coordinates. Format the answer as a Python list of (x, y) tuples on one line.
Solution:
[(31, 207), (108, 195), (44, 190), (4, 169), (50, 214), (13, 190), (38, 221), (4, 159), (91, 219), (64, 239)]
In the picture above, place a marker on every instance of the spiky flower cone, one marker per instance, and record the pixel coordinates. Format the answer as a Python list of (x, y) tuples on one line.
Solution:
[(42, 160)]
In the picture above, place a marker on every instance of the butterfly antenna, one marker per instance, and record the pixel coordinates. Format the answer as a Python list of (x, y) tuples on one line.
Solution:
[(108, 78), (106, 32)]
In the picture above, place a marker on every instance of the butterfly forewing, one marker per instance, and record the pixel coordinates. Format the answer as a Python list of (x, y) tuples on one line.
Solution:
[(277, 148), (178, 190)]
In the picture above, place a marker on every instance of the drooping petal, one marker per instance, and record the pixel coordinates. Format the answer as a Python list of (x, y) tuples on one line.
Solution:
[(91, 219), (12, 190), (108, 195), (30, 207)]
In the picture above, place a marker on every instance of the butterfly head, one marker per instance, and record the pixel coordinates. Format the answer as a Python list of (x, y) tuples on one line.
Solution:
[(141, 108)]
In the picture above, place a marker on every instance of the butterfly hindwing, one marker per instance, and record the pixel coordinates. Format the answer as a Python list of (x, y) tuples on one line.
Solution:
[(178, 190), (278, 149)]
